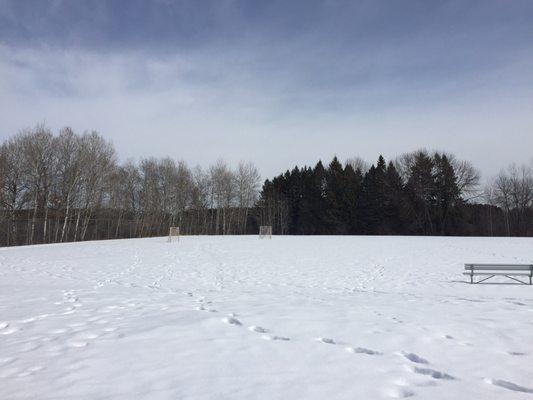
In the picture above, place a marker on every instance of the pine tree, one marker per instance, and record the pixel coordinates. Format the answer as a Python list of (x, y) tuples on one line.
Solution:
[(336, 217), (312, 207), (447, 193), (294, 195), (371, 213), (394, 201), (421, 193), (352, 191)]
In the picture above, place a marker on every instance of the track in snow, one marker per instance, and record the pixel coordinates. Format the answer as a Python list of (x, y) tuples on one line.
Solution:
[(238, 317)]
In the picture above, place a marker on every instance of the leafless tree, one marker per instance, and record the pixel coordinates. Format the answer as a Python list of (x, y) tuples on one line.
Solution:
[(358, 163), (69, 187), (201, 201), (247, 184), (404, 163), (467, 177), (14, 192), (99, 162), (224, 195), (512, 190), (36, 152), (69, 171)]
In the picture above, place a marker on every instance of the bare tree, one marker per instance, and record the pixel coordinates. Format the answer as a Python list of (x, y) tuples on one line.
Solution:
[(201, 200), (14, 192), (183, 187), (99, 161), (150, 196), (37, 155), (69, 187), (467, 177), (224, 195), (358, 163), (512, 190), (404, 163), (69, 171), (247, 185)]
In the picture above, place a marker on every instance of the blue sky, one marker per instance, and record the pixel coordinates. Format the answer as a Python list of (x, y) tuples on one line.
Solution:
[(275, 82)]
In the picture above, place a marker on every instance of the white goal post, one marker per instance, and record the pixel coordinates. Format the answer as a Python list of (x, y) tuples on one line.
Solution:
[(265, 232), (174, 234)]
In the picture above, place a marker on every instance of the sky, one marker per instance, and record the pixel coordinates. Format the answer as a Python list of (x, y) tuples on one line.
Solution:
[(278, 83)]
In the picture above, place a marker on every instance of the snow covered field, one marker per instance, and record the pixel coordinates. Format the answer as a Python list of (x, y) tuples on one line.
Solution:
[(243, 318)]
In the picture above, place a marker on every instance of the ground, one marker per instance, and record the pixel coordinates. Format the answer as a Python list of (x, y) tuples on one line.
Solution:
[(244, 318)]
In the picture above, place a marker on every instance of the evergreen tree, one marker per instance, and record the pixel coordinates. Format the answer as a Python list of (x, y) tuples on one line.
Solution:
[(313, 207), (336, 217), (421, 193), (371, 212), (340, 200), (294, 194), (447, 193), (352, 191), (394, 202)]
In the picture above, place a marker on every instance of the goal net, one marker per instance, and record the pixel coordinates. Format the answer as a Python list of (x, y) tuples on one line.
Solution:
[(174, 234), (265, 232)]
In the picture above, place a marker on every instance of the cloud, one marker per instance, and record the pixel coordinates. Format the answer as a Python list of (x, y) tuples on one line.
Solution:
[(278, 84)]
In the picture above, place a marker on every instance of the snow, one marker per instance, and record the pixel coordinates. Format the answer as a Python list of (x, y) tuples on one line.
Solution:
[(243, 318)]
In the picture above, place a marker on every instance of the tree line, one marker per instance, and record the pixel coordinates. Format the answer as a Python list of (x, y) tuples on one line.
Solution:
[(71, 187), (419, 193)]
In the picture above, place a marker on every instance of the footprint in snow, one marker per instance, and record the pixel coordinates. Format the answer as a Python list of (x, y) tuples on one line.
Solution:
[(508, 385), (431, 372), (231, 321), (362, 350), (274, 337), (400, 393), (413, 357), (258, 329), (325, 340), (202, 308), (516, 353)]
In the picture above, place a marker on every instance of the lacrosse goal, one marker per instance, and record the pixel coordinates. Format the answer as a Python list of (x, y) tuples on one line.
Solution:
[(265, 232), (174, 234)]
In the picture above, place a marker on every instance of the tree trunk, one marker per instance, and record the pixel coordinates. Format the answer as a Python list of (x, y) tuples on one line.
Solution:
[(33, 219)]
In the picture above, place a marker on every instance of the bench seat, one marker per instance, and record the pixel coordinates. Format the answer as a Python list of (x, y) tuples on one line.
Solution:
[(507, 270), (498, 273)]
